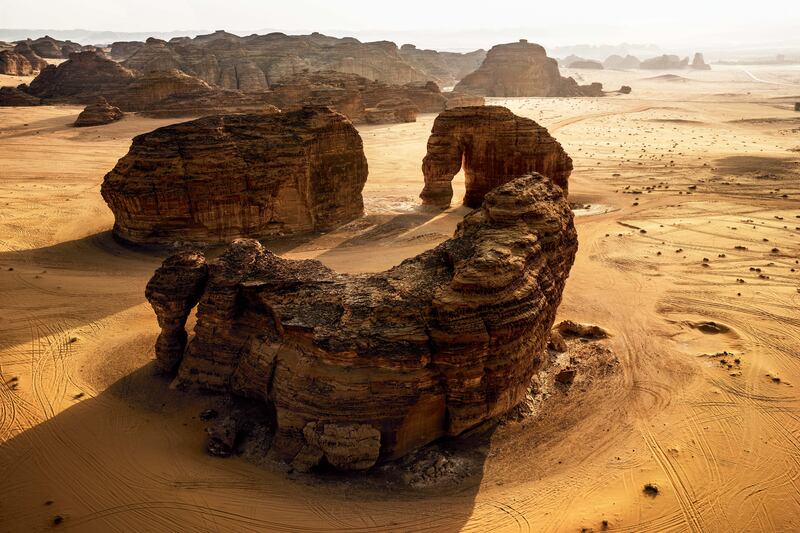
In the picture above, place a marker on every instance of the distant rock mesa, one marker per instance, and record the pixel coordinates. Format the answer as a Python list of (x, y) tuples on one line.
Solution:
[(522, 69)]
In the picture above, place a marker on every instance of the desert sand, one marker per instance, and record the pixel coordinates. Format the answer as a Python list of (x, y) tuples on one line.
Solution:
[(692, 184)]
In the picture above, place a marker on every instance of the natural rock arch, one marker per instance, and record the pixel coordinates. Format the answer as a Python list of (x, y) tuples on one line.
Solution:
[(494, 146)]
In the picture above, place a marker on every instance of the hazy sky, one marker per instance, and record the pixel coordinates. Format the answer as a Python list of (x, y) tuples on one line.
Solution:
[(554, 22)]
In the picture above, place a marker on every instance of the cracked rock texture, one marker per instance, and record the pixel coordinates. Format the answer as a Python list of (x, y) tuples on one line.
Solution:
[(222, 177), (363, 367), (494, 146)]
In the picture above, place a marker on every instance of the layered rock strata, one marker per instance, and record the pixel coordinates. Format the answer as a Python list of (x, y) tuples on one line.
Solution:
[(494, 146), (257, 62), (221, 177), (363, 367)]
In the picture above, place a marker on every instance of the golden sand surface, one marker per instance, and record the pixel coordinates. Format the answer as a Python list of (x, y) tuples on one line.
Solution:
[(700, 166)]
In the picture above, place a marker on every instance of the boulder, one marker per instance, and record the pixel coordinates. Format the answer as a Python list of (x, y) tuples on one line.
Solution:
[(358, 368), (221, 177), (519, 69), (494, 146), (98, 114)]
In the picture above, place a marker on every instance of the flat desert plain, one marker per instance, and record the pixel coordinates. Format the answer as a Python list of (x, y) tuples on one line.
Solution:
[(689, 225)]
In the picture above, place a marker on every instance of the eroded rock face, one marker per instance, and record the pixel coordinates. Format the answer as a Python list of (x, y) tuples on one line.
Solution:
[(221, 177), (519, 69), (14, 64), (37, 63), (363, 367), (494, 146), (174, 291), (257, 62), (618, 62), (81, 79), (392, 111), (16, 97), (352, 95), (98, 114), (444, 68)]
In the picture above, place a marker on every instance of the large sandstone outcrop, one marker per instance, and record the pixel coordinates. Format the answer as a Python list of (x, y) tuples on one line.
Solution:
[(37, 63), (221, 177), (50, 48), (81, 79), (392, 111), (494, 146), (98, 114), (164, 93), (257, 62), (444, 68), (363, 367), (352, 95), (520, 69), (14, 64)]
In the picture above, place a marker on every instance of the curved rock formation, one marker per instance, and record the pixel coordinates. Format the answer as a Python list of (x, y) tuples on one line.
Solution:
[(221, 177), (173, 291), (363, 367), (98, 114), (494, 146), (519, 69), (14, 64)]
